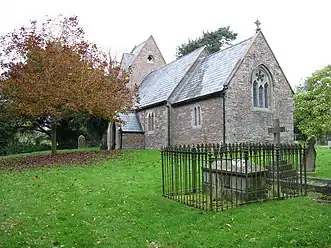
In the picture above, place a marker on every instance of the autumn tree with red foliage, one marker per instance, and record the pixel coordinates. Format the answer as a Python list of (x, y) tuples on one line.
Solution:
[(51, 70)]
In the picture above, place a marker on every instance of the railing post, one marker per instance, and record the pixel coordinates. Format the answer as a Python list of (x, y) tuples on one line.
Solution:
[(176, 164), (277, 149), (246, 157), (305, 168), (210, 181), (194, 170), (162, 163)]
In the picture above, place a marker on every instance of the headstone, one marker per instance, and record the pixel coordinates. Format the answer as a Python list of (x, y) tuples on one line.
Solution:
[(103, 143), (329, 144), (310, 158), (235, 180), (81, 142)]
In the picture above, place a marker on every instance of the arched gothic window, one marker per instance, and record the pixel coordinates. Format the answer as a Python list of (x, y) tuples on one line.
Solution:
[(261, 90)]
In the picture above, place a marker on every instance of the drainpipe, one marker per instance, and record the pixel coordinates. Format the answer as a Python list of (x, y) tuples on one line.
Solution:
[(223, 95), (168, 123)]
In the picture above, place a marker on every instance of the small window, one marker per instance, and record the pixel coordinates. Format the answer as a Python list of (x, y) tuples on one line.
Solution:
[(150, 121), (197, 116), (150, 59)]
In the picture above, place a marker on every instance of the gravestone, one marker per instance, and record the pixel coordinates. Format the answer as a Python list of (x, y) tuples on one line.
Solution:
[(103, 143), (235, 180), (311, 154), (81, 142), (329, 144)]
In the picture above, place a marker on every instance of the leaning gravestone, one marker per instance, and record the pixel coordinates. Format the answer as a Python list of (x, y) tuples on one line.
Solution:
[(81, 142), (310, 154)]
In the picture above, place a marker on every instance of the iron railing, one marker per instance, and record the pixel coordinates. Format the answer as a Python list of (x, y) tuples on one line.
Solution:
[(222, 176)]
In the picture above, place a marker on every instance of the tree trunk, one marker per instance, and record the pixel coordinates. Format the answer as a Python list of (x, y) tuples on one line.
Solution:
[(53, 137)]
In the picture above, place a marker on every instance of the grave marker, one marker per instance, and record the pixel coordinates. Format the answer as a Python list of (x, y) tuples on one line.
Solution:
[(311, 154), (81, 142)]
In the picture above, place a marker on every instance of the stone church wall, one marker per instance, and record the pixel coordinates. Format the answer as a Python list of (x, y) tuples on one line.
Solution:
[(158, 137), (183, 130), (245, 123), (133, 140)]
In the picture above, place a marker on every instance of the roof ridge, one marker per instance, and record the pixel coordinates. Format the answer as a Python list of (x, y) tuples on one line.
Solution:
[(212, 72), (200, 48), (220, 51)]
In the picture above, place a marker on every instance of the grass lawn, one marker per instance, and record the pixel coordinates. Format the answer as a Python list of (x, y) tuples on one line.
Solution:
[(118, 203), (323, 163)]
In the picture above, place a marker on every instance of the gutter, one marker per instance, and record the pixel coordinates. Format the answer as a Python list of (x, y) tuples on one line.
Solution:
[(152, 105)]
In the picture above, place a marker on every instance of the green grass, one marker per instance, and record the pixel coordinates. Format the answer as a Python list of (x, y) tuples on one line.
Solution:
[(323, 163), (118, 203)]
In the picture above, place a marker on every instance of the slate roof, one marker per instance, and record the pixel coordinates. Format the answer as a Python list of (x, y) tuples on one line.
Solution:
[(127, 59), (212, 73), (131, 122), (159, 84)]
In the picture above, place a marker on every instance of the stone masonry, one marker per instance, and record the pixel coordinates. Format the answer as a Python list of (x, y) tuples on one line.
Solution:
[(158, 137), (141, 66), (243, 122), (133, 140), (211, 130)]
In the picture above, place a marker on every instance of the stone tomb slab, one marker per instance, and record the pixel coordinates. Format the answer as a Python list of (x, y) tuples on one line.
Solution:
[(232, 180)]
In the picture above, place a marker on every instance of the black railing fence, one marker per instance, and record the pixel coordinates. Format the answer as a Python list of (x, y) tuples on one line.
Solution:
[(222, 176)]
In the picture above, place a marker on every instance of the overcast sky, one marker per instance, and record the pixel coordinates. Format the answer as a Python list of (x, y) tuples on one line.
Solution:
[(297, 31)]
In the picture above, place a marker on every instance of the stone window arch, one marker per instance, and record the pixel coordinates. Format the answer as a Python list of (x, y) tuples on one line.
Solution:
[(261, 90)]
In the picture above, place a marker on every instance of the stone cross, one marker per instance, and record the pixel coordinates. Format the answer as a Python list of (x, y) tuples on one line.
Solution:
[(257, 23), (276, 130)]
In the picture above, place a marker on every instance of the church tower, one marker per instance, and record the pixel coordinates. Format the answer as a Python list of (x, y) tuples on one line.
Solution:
[(143, 59)]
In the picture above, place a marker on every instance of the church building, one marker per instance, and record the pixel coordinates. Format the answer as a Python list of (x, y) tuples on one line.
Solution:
[(229, 96)]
